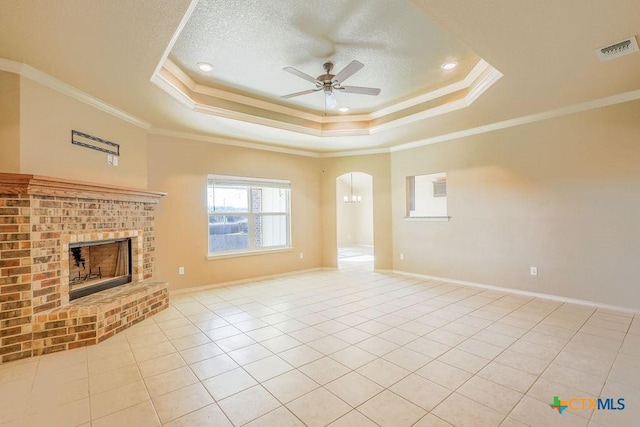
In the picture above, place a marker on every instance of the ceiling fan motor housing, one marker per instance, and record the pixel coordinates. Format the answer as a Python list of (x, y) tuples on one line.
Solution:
[(327, 78)]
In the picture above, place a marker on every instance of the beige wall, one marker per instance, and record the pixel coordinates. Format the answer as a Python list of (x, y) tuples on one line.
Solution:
[(378, 166), (46, 120), (180, 167), (9, 122), (562, 195)]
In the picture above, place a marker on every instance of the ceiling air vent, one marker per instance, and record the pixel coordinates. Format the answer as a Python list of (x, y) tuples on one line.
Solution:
[(616, 50)]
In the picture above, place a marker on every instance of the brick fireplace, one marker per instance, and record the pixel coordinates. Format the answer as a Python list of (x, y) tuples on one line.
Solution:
[(40, 219)]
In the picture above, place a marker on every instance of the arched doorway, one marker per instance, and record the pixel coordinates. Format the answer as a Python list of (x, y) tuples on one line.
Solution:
[(354, 221)]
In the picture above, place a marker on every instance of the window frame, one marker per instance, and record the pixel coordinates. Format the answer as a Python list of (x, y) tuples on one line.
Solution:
[(249, 183)]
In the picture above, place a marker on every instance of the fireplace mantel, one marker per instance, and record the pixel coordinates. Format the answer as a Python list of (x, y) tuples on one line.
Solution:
[(11, 183)]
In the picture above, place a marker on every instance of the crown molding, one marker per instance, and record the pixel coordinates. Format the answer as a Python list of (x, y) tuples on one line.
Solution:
[(173, 91), (226, 104), (468, 82), (11, 66), (231, 142), (354, 153), (187, 81), (482, 81), (531, 118), (180, 90), (263, 147), (585, 106), (481, 78), (44, 79)]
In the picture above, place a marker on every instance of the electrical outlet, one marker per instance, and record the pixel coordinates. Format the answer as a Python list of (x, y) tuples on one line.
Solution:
[(180, 270), (401, 257), (301, 255), (115, 160), (109, 159), (534, 271)]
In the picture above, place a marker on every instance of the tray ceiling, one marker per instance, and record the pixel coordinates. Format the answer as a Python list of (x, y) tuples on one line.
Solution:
[(249, 43)]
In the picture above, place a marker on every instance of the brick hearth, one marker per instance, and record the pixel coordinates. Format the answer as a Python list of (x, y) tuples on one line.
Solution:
[(39, 217)]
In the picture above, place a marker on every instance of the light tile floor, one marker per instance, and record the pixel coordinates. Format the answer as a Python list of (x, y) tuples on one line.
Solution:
[(341, 348)]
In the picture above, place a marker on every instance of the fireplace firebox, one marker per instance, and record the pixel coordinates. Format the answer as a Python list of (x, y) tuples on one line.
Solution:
[(98, 265)]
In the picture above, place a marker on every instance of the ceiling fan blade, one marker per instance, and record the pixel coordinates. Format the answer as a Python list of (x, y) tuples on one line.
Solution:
[(348, 71), (361, 90), (304, 92), (330, 100), (302, 75)]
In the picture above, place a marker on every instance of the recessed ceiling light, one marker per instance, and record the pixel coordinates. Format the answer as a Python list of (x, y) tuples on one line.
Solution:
[(449, 65), (343, 109), (205, 66)]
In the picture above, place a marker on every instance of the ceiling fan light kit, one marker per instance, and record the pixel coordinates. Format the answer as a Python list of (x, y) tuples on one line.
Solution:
[(330, 83)]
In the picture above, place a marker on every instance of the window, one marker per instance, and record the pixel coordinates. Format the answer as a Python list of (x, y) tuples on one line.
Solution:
[(427, 196), (248, 214)]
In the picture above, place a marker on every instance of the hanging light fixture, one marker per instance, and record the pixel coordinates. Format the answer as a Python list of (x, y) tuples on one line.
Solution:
[(353, 199)]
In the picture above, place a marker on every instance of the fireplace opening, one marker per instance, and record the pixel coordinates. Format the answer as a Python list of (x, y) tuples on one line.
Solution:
[(99, 265)]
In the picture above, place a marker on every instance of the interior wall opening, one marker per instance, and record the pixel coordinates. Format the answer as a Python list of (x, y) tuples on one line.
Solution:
[(354, 212)]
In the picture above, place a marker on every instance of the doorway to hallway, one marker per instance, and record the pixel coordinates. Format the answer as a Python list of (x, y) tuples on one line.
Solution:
[(354, 220)]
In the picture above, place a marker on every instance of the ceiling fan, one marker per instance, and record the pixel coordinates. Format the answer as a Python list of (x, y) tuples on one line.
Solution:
[(332, 82)]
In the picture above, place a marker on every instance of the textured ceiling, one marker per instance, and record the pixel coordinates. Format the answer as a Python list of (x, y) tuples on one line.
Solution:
[(544, 49), (249, 42)]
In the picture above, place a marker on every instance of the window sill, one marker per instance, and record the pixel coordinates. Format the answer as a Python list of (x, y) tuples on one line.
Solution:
[(248, 253), (428, 218)]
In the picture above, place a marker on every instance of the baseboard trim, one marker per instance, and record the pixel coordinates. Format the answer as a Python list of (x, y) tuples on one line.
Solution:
[(241, 281), (523, 292)]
